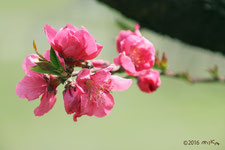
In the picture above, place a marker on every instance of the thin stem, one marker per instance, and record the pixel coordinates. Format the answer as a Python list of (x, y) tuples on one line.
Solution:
[(167, 73), (191, 79)]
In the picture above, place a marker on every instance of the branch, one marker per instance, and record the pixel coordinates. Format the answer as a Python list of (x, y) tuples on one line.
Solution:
[(167, 73), (191, 79)]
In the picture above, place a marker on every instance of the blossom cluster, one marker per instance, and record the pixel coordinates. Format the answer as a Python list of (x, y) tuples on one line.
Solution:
[(89, 90)]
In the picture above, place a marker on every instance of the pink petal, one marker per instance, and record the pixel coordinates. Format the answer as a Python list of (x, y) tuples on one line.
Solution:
[(127, 64), (102, 75), (119, 83), (95, 54), (46, 104), (84, 74), (60, 40), (99, 109), (116, 60), (29, 62), (99, 47), (31, 87), (72, 47), (123, 34), (72, 100), (50, 32), (47, 54), (137, 31), (83, 28), (89, 50), (130, 41), (99, 63), (118, 44), (87, 107), (71, 27), (105, 107)]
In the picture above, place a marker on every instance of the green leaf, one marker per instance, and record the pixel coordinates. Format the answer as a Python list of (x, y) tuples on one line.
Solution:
[(40, 70), (54, 59)]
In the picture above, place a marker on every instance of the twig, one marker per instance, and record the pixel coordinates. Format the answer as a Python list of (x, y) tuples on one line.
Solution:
[(167, 73), (187, 77)]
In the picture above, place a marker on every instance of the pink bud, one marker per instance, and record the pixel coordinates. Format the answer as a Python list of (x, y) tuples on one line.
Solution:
[(150, 82), (100, 63)]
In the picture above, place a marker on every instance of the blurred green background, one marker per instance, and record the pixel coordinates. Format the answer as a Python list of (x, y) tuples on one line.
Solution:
[(178, 111)]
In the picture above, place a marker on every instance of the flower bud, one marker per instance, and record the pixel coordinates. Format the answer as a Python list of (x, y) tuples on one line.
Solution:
[(150, 82)]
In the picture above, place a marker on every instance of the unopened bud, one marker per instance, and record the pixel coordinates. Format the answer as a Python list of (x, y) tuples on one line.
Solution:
[(214, 72), (164, 62), (157, 60)]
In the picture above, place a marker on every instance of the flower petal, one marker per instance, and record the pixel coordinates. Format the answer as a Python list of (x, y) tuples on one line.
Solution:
[(29, 62), (46, 104), (50, 32), (127, 64), (99, 109), (72, 100), (95, 54), (84, 74), (119, 83), (31, 87), (116, 60), (129, 42), (136, 30), (71, 27), (123, 34), (72, 47), (90, 50), (60, 40), (102, 75), (99, 63), (104, 108)]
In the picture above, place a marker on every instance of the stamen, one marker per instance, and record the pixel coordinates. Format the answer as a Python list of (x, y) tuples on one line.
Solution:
[(95, 92)]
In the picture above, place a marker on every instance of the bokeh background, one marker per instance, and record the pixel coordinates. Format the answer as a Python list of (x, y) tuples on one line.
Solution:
[(178, 111)]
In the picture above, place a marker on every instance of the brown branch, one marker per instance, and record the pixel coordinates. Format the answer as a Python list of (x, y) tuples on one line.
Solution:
[(191, 79)]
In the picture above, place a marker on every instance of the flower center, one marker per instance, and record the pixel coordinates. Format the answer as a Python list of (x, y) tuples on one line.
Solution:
[(96, 91), (89, 83), (136, 56)]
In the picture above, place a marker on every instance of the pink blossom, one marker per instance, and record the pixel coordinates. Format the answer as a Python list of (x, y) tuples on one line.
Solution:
[(99, 63), (150, 82), (34, 84), (92, 93), (72, 42), (124, 34), (137, 55)]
